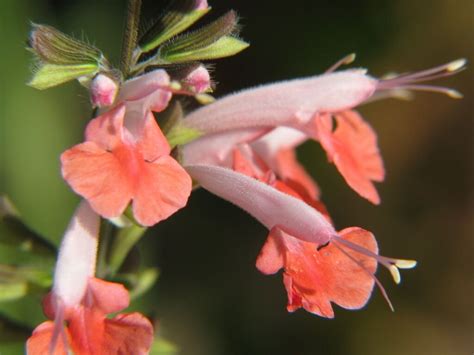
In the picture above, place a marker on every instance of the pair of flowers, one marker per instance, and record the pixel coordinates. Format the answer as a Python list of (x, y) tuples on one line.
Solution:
[(242, 148)]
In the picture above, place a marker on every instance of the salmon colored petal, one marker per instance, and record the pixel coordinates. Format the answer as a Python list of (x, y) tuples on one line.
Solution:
[(130, 334), (86, 326), (314, 279), (40, 341), (107, 129), (152, 143), (295, 176), (99, 177), (164, 187), (353, 149), (108, 297), (242, 164), (270, 259)]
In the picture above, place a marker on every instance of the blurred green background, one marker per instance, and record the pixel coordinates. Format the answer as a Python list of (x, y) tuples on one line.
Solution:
[(210, 299)]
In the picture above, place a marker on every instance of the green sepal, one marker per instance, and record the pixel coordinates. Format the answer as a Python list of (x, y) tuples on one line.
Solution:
[(225, 47), (177, 18), (199, 45), (180, 134), (54, 47), (60, 58), (49, 75)]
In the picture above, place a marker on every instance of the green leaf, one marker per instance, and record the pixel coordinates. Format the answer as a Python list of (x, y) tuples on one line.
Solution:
[(123, 242), (180, 134), (49, 75), (174, 20), (54, 47), (225, 47)]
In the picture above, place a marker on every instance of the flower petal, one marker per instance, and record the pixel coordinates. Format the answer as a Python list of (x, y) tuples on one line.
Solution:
[(268, 205), (353, 149), (128, 334), (216, 149), (39, 343), (143, 85), (164, 187), (108, 297), (314, 279), (271, 257), (152, 143), (99, 177), (107, 129)]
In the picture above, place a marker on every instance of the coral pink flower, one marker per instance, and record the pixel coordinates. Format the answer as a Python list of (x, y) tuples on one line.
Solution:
[(308, 105), (320, 265), (314, 277), (84, 302), (120, 163)]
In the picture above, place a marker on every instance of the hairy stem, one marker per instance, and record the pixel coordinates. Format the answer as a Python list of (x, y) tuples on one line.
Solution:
[(130, 34)]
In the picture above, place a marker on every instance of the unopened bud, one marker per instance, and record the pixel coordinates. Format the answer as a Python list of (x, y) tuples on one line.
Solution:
[(103, 91)]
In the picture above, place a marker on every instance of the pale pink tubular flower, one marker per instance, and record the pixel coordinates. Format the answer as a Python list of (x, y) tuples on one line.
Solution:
[(268, 123), (310, 105), (83, 302)]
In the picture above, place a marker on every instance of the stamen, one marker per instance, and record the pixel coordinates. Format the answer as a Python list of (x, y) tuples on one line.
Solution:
[(344, 61), (376, 280), (407, 81), (391, 264), (454, 94)]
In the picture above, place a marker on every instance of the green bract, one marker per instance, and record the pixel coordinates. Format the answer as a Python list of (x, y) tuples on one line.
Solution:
[(178, 17), (61, 58)]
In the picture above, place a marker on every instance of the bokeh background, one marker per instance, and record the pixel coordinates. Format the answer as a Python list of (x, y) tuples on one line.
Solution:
[(210, 299)]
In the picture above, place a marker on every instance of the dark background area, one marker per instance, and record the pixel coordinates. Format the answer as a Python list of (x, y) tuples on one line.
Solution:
[(210, 298)]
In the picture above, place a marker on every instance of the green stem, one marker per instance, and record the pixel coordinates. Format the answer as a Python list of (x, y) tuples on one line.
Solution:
[(106, 232), (123, 242), (130, 34)]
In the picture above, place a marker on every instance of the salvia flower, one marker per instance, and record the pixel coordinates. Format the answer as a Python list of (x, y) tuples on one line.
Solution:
[(127, 160), (79, 303), (309, 105)]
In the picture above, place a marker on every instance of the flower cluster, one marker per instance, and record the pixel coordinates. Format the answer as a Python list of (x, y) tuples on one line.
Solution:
[(134, 166)]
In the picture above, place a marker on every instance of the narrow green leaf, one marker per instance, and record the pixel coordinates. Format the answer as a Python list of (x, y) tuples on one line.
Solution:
[(49, 75), (224, 47)]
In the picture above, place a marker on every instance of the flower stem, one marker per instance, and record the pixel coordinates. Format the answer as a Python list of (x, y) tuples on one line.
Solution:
[(123, 242)]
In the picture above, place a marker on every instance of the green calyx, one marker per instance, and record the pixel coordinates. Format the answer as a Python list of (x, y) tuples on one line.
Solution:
[(179, 16), (165, 45), (61, 58)]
